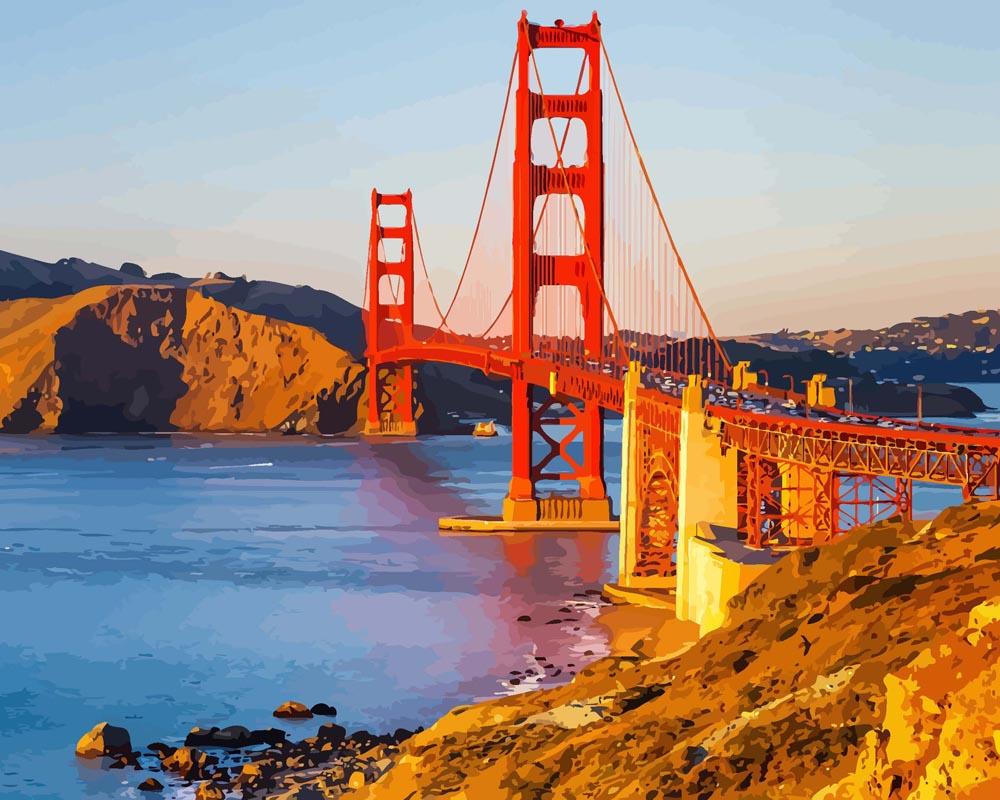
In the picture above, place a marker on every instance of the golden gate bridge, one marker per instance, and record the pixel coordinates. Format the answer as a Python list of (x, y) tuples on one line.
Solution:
[(574, 289)]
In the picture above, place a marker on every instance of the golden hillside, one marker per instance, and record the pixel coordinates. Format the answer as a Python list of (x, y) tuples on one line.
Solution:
[(114, 358), (866, 669)]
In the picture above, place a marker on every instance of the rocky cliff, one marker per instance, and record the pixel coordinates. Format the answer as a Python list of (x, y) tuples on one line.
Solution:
[(158, 358), (866, 669)]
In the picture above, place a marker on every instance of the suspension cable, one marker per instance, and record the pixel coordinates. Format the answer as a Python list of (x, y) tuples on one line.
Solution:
[(427, 277), (496, 319), (486, 192), (443, 326), (659, 209)]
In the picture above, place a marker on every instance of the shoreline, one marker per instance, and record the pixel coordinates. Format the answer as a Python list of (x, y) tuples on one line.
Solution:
[(271, 764)]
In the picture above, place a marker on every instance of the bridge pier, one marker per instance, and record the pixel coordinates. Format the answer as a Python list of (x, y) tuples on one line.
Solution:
[(707, 478), (583, 423), (713, 563), (628, 535), (390, 401)]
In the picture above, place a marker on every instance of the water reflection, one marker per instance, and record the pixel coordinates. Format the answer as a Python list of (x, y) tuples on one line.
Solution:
[(163, 582)]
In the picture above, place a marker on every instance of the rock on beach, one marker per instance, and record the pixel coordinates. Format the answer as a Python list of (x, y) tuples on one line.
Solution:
[(104, 739)]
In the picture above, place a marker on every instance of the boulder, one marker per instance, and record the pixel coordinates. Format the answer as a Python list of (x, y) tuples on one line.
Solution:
[(272, 736), (362, 740), (103, 740), (188, 762), (292, 710), (233, 737), (401, 735), (209, 791), (330, 733), (323, 710), (309, 793), (211, 737), (254, 776), (124, 760), (160, 750), (150, 785)]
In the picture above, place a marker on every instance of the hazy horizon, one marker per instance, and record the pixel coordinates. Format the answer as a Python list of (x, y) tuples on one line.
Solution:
[(836, 165)]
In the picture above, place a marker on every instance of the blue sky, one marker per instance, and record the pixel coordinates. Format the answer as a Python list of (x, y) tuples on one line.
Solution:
[(821, 163)]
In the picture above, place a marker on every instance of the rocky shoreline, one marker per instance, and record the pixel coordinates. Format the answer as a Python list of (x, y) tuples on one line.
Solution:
[(236, 761), (863, 668), (269, 764)]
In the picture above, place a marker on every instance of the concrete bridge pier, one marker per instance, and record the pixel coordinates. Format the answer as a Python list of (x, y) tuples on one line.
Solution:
[(707, 479), (713, 564)]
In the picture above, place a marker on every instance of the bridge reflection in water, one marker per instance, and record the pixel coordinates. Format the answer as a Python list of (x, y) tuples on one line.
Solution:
[(574, 290)]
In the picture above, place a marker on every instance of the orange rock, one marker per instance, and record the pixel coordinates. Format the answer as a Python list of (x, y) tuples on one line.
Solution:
[(292, 709), (209, 791), (187, 762), (102, 740), (357, 780)]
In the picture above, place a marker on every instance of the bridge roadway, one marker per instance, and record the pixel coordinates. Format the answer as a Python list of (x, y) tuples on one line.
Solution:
[(766, 421)]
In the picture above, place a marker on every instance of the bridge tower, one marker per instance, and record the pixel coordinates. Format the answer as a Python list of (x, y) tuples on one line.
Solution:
[(533, 271), (390, 318)]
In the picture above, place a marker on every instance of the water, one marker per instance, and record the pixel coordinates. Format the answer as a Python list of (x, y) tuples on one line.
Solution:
[(161, 582), (928, 499)]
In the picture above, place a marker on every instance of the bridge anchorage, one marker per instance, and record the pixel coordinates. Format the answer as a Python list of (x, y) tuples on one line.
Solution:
[(574, 290)]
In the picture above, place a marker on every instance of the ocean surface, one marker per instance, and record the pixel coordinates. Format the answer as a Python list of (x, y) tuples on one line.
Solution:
[(928, 498), (165, 581)]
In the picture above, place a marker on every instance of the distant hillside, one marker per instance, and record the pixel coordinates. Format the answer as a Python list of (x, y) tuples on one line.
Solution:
[(144, 358), (953, 347), (978, 331), (337, 319)]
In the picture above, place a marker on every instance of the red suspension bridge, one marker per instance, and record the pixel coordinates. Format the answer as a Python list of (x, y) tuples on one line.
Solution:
[(574, 289)]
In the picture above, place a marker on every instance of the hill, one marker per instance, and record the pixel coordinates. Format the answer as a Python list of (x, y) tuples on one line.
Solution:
[(951, 347), (337, 319), (978, 331), (157, 358), (865, 669)]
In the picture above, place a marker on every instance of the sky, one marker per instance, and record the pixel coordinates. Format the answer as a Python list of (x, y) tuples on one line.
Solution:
[(821, 164)]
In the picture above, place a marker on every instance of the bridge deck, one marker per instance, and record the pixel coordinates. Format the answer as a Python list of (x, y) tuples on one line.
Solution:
[(754, 421)]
